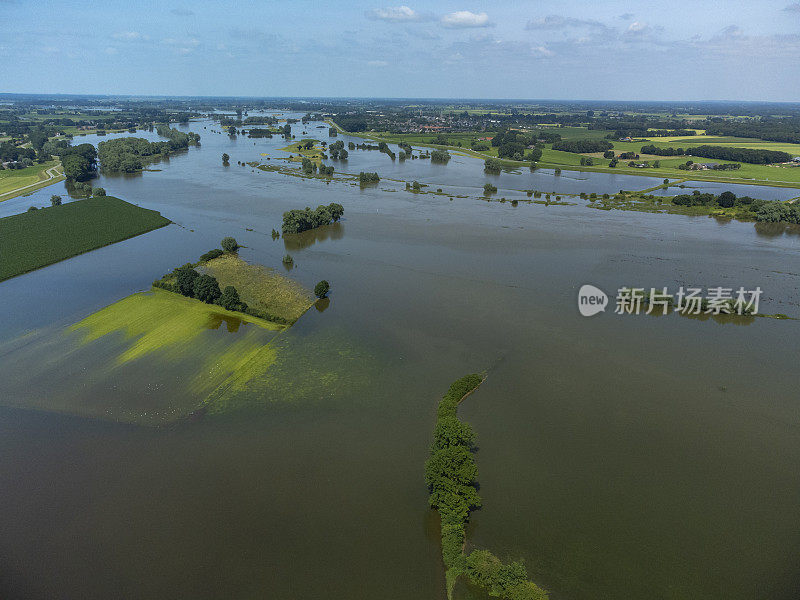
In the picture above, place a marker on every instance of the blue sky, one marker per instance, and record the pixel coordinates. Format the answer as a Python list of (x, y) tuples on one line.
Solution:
[(670, 50)]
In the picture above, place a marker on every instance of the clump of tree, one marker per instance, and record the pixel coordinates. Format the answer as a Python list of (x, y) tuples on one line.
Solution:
[(366, 178), (126, 154), (489, 189), (297, 221), (336, 151), (492, 166), (79, 162), (226, 160), (55, 200), (440, 156)]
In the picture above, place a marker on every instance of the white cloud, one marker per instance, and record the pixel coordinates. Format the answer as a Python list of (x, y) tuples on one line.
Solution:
[(795, 8), (377, 63), (127, 35), (465, 18), (111, 50), (637, 26), (182, 12), (394, 14), (559, 22)]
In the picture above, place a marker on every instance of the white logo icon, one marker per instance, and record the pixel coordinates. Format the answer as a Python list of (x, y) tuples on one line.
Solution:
[(591, 300)]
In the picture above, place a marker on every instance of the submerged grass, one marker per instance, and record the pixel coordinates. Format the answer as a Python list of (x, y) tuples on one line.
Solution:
[(157, 320), (261, 288)]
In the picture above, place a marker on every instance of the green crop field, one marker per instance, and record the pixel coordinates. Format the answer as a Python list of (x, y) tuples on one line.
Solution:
[(42, 237)]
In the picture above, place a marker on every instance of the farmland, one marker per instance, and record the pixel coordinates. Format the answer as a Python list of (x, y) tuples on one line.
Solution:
[(21, 181), (38, 238)]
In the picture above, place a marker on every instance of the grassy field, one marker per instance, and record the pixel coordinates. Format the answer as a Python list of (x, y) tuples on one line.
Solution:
[(314, 154), (14, 179), (261, 288), (42, 237)]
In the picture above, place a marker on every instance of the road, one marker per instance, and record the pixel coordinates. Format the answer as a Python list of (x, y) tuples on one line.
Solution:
[(52, 173)]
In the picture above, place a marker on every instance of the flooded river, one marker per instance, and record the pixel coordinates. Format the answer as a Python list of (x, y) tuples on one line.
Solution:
[(620, 456)]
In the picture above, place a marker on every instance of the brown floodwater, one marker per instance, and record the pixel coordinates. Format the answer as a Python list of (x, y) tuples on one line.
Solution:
[(620, 456)]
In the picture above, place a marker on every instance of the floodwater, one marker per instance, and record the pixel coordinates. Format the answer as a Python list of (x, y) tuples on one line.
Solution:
[(620, 456)]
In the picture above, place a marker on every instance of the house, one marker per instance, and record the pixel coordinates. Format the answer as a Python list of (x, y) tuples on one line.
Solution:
[(796, 159)]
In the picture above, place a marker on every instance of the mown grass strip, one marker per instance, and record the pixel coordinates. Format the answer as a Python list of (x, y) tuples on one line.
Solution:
[(38, 238)]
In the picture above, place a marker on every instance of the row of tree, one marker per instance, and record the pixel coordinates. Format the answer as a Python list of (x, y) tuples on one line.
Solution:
[(756, 156), (451, 476)]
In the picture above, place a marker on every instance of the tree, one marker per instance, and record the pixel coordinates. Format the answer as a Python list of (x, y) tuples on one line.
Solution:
[(206, 288), (230, 299), (185, 278), (726, 199), (229, 244), (55, 200), (321, 289), (225, 159), (99, 192)]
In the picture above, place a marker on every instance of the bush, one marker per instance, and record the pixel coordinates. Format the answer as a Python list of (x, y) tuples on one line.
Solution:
[(321, 289), (98, 192), (488, 188), (229, 244), (287, 259), (211, 255), (55, 200)]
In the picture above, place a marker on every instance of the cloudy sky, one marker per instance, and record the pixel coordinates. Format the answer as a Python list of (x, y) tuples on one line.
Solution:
[(670, 50)]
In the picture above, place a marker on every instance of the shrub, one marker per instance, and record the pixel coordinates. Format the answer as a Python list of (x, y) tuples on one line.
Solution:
[(55, 200), (229, 244), (211, 255), (287, 259), (321, 289)]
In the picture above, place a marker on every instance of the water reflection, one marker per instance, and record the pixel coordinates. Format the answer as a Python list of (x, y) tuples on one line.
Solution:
[(232, 323), (322, 304), (299, 241), (775, 230)]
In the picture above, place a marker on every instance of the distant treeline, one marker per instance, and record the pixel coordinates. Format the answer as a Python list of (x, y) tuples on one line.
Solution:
[(767, 128), (753, 156), (583, 146)]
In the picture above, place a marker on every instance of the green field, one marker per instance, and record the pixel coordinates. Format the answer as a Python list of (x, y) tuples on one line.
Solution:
[(12, 180), (42, 237)]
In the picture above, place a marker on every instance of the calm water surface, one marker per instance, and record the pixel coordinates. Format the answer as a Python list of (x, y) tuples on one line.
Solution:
[(620, 456)]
